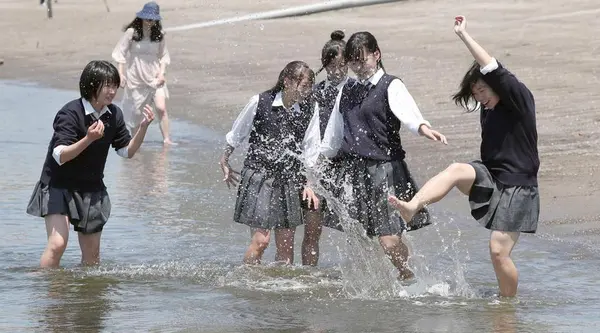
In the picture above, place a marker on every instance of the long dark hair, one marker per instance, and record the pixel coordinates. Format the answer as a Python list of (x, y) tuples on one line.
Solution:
[(358, 42), (156, 33), (296, 70), (334, 47), (464, 96)]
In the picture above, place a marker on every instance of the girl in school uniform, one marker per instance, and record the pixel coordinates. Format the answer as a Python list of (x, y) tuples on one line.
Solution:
[(142, 58), (71, 188), (367, 141), (278, 124), (327, 93), (502, 187)]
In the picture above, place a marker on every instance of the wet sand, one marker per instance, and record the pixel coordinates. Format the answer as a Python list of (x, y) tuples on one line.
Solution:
[(215, 70)]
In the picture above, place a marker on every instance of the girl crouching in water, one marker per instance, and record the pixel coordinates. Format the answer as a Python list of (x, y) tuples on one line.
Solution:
[(271, 189)]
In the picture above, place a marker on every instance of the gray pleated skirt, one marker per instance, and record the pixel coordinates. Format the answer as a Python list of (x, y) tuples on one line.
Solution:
[(88, 212), (371, 182), (503, 208), (268, 200)]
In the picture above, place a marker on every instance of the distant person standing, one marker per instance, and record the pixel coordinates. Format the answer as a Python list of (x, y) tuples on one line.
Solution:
[(142, 58)]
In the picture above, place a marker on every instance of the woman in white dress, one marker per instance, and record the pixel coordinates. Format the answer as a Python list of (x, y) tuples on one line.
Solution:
[(142, 58)]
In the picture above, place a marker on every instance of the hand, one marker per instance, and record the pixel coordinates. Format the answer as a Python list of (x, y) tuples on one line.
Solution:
[(309, 195), (160, 80), (96, 130), (460, 25), (148, 116), (229, 174), (432, 134)]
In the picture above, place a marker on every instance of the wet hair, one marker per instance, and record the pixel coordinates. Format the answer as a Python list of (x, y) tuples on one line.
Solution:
[(296, 70), (464, 96), (358, 43), (96, 75), (156, 33), (334, 47)]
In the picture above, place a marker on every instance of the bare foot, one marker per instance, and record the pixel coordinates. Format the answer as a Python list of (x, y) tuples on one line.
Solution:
[(406, 209), (169, 142)]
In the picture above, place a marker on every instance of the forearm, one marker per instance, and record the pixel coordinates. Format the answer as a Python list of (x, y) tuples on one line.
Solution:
[(163, 68), (121, 69), (70, 152), (227, 153), (136, 141), (480, 55)]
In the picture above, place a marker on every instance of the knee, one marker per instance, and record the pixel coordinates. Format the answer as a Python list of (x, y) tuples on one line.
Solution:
[(456, 168), (161, 111), (497, 253), (390, 244), (57, 244), (260, 242)]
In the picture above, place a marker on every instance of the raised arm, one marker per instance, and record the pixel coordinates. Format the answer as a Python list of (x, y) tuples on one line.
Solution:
[(505, 84)]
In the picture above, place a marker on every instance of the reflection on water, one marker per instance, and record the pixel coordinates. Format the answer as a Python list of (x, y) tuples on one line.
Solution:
[(171, 256)]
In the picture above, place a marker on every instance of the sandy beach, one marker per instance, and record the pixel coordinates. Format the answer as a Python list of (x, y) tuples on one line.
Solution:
[(549, 44)]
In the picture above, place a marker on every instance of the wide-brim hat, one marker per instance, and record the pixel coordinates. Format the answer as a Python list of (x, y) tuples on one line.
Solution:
[(151, 11)]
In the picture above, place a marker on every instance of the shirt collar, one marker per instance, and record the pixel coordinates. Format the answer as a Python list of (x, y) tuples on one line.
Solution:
[(374, 79), (278, 101), (89, 109), (339, 86)]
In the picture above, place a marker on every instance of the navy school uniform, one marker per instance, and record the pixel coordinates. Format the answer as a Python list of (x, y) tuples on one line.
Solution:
[(327, 96), (76, 188), (505, 195), (366, 139), (272, 178)]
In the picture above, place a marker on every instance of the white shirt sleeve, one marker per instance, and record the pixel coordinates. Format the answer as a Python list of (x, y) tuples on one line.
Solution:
[(404, 107), (123, 152), (56, 153), (334, 132), (312, 140), (492, 66), (242, 126)]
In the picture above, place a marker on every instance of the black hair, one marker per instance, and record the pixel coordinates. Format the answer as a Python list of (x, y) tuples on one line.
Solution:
[(359, 42), (96, 75), (156, 33), (464, 96), (334, 47), (296, 70)]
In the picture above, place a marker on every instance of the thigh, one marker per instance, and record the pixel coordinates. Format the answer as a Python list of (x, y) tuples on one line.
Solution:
[(502, 242), (57, 226), (259, 234), (464, 175)]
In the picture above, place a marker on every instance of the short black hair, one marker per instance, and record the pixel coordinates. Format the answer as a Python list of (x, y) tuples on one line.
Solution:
[(96, 75), (358, 43), (464, 97)]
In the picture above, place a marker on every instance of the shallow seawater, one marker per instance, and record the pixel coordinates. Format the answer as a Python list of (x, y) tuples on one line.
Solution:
[(172, 256)]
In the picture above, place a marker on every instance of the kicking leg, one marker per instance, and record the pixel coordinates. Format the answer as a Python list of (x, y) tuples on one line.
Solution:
[(460, 175)]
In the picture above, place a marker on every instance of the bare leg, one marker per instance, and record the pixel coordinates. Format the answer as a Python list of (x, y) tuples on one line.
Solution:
[(284, 241), (312, 235), (161, 109), (460, 175), (501, 245), (90, 248), (397, 251), (57, 229), (258, 245)]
